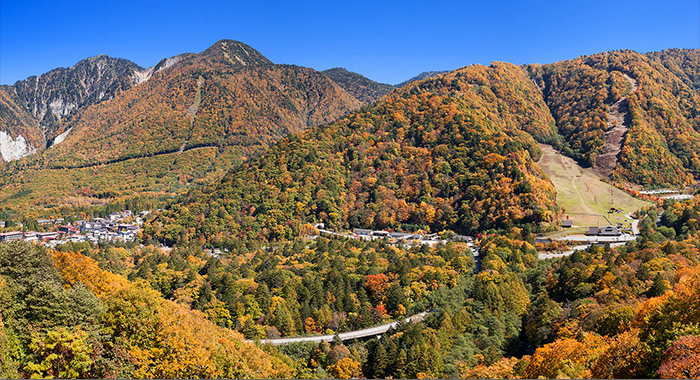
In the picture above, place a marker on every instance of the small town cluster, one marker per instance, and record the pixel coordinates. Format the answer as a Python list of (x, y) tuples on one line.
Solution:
[(117, 227)]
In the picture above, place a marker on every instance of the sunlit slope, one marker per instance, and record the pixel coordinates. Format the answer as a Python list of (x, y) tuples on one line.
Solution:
[(581, 193), (451, 152)]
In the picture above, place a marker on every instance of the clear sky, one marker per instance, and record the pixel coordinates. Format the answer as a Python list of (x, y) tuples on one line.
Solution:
[(387, 41)]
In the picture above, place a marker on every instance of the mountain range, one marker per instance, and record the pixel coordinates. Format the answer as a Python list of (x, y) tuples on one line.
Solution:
[(107, 130), (227, 103), (239, 160)]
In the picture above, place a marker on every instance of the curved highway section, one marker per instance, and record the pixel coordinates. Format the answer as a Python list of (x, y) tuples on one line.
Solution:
[(372, 331)]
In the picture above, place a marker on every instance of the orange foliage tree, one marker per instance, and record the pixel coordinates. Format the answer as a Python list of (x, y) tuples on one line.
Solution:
[(682, 359)]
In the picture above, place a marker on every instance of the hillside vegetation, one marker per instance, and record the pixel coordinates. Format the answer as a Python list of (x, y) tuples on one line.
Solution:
[(63, 316), (451, 152), (187, 121), (627, 312), (683, 63), (661, 145)]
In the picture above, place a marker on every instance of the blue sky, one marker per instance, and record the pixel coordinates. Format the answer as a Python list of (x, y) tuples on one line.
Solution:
[(387, 41)]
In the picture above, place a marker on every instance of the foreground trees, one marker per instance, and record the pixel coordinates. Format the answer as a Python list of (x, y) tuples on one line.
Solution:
[(54, 324)]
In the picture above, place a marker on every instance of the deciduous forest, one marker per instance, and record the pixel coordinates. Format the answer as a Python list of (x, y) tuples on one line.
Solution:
[(241, 161)]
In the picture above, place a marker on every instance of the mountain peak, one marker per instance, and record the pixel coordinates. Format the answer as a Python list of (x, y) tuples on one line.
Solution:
[(341, 70), (103, 60), (235, 53)]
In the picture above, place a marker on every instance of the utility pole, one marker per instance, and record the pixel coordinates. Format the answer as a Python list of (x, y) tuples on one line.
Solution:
[(612, 199)]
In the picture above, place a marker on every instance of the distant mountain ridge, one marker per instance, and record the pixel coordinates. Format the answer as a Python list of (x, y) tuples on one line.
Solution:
[(227, 96), (421, 76), (364, 89), (39, 108), (43, 102)]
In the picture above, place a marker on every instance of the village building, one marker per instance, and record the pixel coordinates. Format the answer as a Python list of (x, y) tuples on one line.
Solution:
[(67, 229), (47, 235), (381, 234), (10, 236), (609, 231), (462, 238)]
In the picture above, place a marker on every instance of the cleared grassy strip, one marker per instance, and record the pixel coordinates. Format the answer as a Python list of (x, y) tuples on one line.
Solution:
[(584, 197)]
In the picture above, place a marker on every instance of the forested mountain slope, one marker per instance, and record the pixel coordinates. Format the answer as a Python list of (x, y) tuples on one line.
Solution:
[(684, 63), (661, 145), (229, 101), (451, 152), (364, 89)]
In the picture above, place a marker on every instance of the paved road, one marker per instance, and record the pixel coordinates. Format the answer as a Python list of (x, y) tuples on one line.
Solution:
[(635, 224), (372, 331), (551, 255), (365, 237), (598, 239)]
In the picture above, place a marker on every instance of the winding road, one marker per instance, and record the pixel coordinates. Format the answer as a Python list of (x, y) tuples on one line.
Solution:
[(381, 329), (372, 331)]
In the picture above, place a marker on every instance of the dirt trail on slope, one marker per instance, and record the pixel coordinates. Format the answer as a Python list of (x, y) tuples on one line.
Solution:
[(617, 128), (192, 112)]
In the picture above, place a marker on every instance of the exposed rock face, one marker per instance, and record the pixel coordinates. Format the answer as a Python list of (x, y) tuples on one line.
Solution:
[(14, 149), (140, 76), (43, 102), (61, 92)]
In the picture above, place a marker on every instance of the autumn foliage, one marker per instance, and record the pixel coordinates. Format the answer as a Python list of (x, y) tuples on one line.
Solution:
[(451, 152), (127, 330)]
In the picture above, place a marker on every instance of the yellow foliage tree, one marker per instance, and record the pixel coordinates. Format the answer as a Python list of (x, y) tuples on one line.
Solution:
[(76, 268), (622, 359), (61, 353), (566, 358), (346, 368)]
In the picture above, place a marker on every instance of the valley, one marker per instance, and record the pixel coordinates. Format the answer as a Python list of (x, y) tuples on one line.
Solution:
[(295, 223)]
